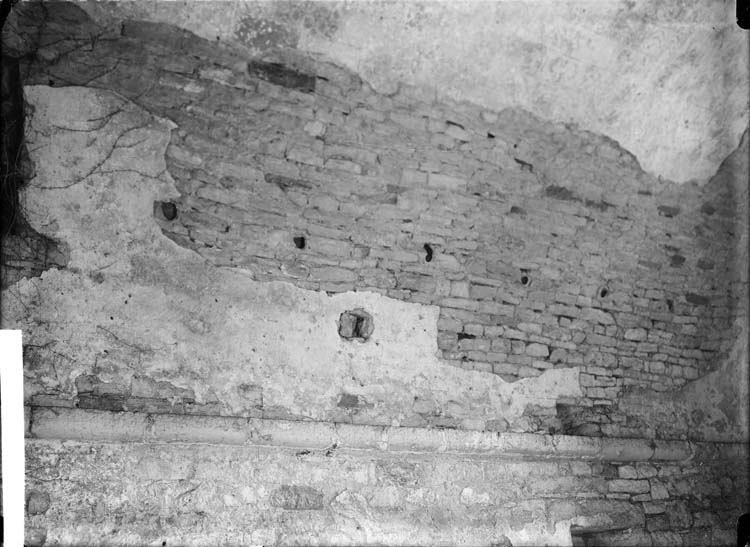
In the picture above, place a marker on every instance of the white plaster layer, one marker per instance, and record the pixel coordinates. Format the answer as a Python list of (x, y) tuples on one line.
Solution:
[(133, 304), (667, 79)]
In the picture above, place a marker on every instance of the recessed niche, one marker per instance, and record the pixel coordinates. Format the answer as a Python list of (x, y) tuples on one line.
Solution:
[(299, 242), (165, 210), (603, 292), (356, 324), (428, 252), (525, 278)]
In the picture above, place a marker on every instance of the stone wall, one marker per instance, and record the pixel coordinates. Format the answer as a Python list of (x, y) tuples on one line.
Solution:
[(220, 481), (212, 218)]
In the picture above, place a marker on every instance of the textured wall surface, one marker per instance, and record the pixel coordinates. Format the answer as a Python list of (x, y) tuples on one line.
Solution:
[(265, 483), (667, 79), (551, 252), (151, 313), (197, 226)]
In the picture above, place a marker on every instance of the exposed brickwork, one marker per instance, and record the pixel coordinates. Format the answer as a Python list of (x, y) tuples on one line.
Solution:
[(549, 247)]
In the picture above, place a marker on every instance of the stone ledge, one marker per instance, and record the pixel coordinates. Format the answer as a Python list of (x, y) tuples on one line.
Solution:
[(103, 426)]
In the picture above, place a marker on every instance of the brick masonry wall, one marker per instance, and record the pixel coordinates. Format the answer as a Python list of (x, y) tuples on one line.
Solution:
[(545, 246)]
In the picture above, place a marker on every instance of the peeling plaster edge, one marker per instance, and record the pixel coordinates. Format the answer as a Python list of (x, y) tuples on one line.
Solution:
[(44, 423)]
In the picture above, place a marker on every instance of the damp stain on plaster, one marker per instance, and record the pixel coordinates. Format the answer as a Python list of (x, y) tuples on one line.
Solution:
[(262, 35), (318, 18), (280, 26)]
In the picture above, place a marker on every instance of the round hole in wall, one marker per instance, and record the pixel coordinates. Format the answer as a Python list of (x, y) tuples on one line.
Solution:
[(356, 324), (165, 210), (299, 242), (525, 280), (603, 292)]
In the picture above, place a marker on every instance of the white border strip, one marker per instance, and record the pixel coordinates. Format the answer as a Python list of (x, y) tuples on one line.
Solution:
[(11, 391)]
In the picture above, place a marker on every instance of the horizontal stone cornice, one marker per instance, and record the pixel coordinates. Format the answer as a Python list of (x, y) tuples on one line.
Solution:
[(134, 427)]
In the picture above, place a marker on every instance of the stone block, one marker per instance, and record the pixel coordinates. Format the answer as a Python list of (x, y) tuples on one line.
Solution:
[(517, 346), (629, 486), (305, 155), (333, 274), (343, 165), (697, 537), (297, 498), (537, 350), (679, 516), (597, 316), (666, 539), (37, 502), (657, 523), (654, 507), (457, 132), (416, 124), (460, 289), (671, 450), (315, 128), (636, 334), (34, 536), (658, 490), (645, 470), (446, 182), (627, 472)]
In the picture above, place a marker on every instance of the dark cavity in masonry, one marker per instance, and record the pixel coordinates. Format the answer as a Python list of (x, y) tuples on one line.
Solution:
[(604, 292), (525, 279), (299, 242), (428, 250), (279, 74), (169, 210), (355, 324)]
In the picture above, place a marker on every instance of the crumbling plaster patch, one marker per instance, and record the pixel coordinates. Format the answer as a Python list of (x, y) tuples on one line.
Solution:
[(666, 79), (133, 303)]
